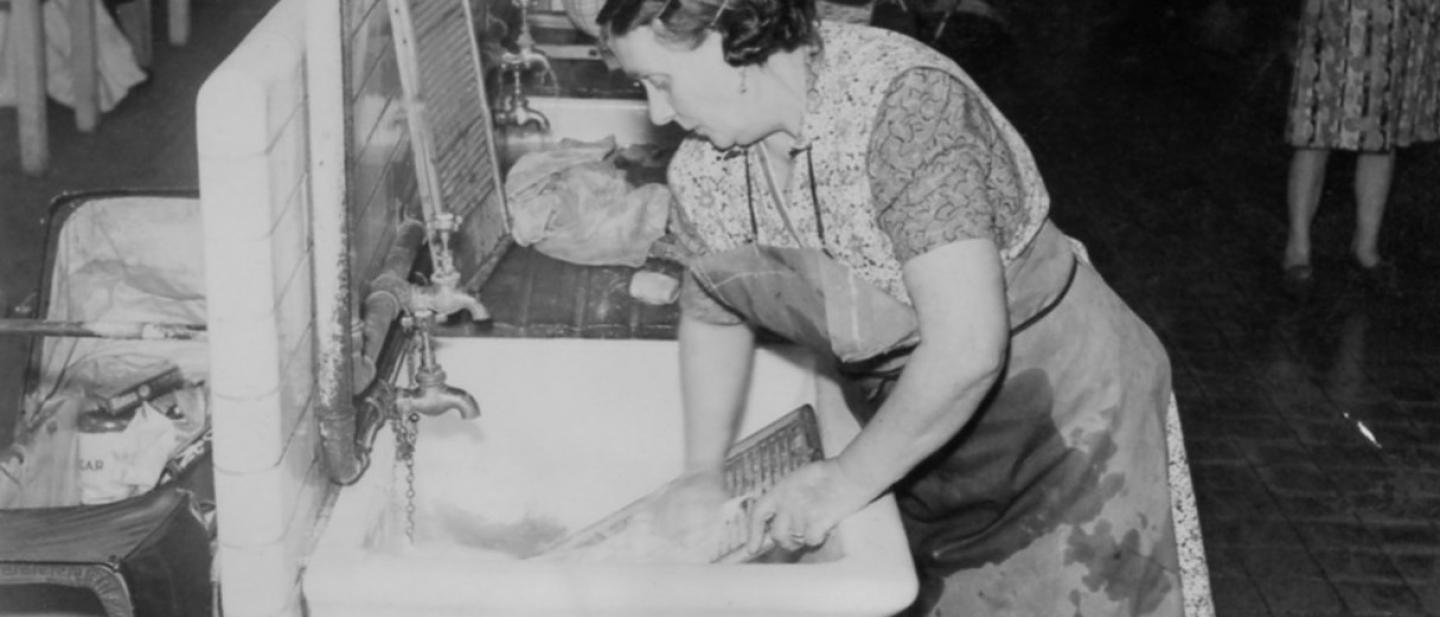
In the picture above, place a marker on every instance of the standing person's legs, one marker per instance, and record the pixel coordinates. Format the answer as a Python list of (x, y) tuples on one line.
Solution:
[(1373, 171), (1307, 179)]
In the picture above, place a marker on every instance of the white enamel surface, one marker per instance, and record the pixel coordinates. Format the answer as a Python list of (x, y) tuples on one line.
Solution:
[(255, 167), (572, 430), (595, 119)]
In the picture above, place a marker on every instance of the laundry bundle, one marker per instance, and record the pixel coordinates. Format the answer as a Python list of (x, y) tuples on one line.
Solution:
[(575, 203)]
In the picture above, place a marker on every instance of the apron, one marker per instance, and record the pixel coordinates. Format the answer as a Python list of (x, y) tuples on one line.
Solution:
[(1054, 499)]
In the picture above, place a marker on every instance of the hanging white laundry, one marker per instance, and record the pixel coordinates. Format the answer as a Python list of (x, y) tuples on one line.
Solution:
[(114, 61)]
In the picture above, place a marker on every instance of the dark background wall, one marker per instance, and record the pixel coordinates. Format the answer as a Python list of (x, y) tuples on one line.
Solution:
[(1058, 41)]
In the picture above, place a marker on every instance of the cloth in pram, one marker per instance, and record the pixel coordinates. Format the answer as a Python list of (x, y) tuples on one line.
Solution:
[(116, 259)]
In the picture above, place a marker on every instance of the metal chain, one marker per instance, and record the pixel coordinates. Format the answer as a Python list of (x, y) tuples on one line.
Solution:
[(414, 422), (407, 433)]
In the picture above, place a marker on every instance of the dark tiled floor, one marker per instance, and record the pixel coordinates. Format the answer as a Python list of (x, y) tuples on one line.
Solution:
[(1311, 423), (1313, 426)]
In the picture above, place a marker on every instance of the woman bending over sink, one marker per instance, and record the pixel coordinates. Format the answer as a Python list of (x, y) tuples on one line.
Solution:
[(855, 192)]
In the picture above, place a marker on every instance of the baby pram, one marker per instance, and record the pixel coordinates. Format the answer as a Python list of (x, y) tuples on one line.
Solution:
[(113, 260)]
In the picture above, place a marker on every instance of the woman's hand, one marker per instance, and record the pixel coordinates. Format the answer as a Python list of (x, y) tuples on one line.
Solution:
[(801, 510), (690, 515)]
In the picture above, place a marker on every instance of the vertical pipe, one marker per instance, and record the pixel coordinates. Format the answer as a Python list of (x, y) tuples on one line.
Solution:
[(179, 27), (389, 290), (84, 77), (28, 62), (330, 238), (135, 19)]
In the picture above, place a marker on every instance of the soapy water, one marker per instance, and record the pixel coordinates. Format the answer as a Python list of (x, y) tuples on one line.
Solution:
[(445, 527), (470, 495), (497, 499), (459, 533), (643, 539), (519, 539), (483, 498), (553, 500), (641, 533)]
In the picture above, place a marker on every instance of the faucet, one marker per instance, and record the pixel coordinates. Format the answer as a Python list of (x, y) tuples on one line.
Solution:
[(513, 108), (423, 305), (430, 395), (442, 296), (527, 58)]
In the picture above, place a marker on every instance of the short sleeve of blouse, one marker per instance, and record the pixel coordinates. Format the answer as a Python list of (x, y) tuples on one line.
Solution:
[(938, 166), (698, 304), (694, 301)]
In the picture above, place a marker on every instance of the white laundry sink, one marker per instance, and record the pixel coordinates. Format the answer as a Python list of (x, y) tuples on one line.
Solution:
[(594, 119), (570, 431), (587, 120)]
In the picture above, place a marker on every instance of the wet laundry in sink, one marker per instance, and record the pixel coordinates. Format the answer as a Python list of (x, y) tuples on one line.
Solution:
[(575, 203)]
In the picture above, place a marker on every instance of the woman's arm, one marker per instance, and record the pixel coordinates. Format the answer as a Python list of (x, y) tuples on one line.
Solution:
[(946, 183), (715, 364), (959, 296), (958, 291)]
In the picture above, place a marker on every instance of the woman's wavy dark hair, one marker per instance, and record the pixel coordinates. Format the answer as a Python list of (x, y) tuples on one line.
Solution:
[(750, 30)]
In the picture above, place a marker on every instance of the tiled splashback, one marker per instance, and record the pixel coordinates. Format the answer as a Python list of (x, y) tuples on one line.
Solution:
[(381, 174), (253, 133)]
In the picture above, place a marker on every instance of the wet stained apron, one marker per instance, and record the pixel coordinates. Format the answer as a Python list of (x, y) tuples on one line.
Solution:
[(1053, 500)]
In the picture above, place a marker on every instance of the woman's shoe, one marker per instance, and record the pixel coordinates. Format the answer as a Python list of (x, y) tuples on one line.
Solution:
[(1379, 279), (1299, 279)]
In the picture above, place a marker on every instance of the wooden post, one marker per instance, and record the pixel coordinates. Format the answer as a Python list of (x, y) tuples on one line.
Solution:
[(28, 33), (135, 20), (84, 76), (179, 11)]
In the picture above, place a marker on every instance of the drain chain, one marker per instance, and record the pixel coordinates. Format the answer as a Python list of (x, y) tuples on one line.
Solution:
[(407, 433)]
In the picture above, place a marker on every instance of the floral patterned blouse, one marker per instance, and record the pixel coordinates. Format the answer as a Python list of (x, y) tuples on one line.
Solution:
[(939, 171), (907, 155)]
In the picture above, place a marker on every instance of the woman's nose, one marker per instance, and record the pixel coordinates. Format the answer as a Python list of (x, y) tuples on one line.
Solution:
[(661, 113)]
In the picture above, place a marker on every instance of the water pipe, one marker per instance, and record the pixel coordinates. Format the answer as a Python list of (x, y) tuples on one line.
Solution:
[(330, 242), (387, 298)]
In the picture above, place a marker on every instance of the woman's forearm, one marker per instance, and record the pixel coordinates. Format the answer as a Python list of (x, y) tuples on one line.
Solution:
[(959, 295), (714, 376), (933, 400)]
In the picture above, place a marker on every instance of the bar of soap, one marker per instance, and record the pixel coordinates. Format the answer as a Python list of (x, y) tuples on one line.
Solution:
[(654, 288)]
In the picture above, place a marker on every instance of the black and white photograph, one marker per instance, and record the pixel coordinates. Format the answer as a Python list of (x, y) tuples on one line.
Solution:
[(720, 308)]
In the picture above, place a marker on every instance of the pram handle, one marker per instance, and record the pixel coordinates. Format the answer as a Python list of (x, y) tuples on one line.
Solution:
[(103, 329)]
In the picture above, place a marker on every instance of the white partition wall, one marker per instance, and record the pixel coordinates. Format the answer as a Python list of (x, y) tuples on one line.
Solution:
[(255, 188)]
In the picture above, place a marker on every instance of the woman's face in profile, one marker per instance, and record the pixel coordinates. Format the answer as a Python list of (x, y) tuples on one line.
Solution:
[(694, 88)]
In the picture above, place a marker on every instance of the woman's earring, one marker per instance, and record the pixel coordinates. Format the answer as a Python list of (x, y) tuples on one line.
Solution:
[(744, 87)]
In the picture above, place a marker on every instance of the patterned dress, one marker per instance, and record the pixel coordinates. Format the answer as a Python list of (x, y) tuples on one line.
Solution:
[(1055, 499), (1367, 75)]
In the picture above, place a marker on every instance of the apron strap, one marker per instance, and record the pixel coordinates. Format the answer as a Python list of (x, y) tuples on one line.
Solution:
[(1030, 321), (1039, 277)]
